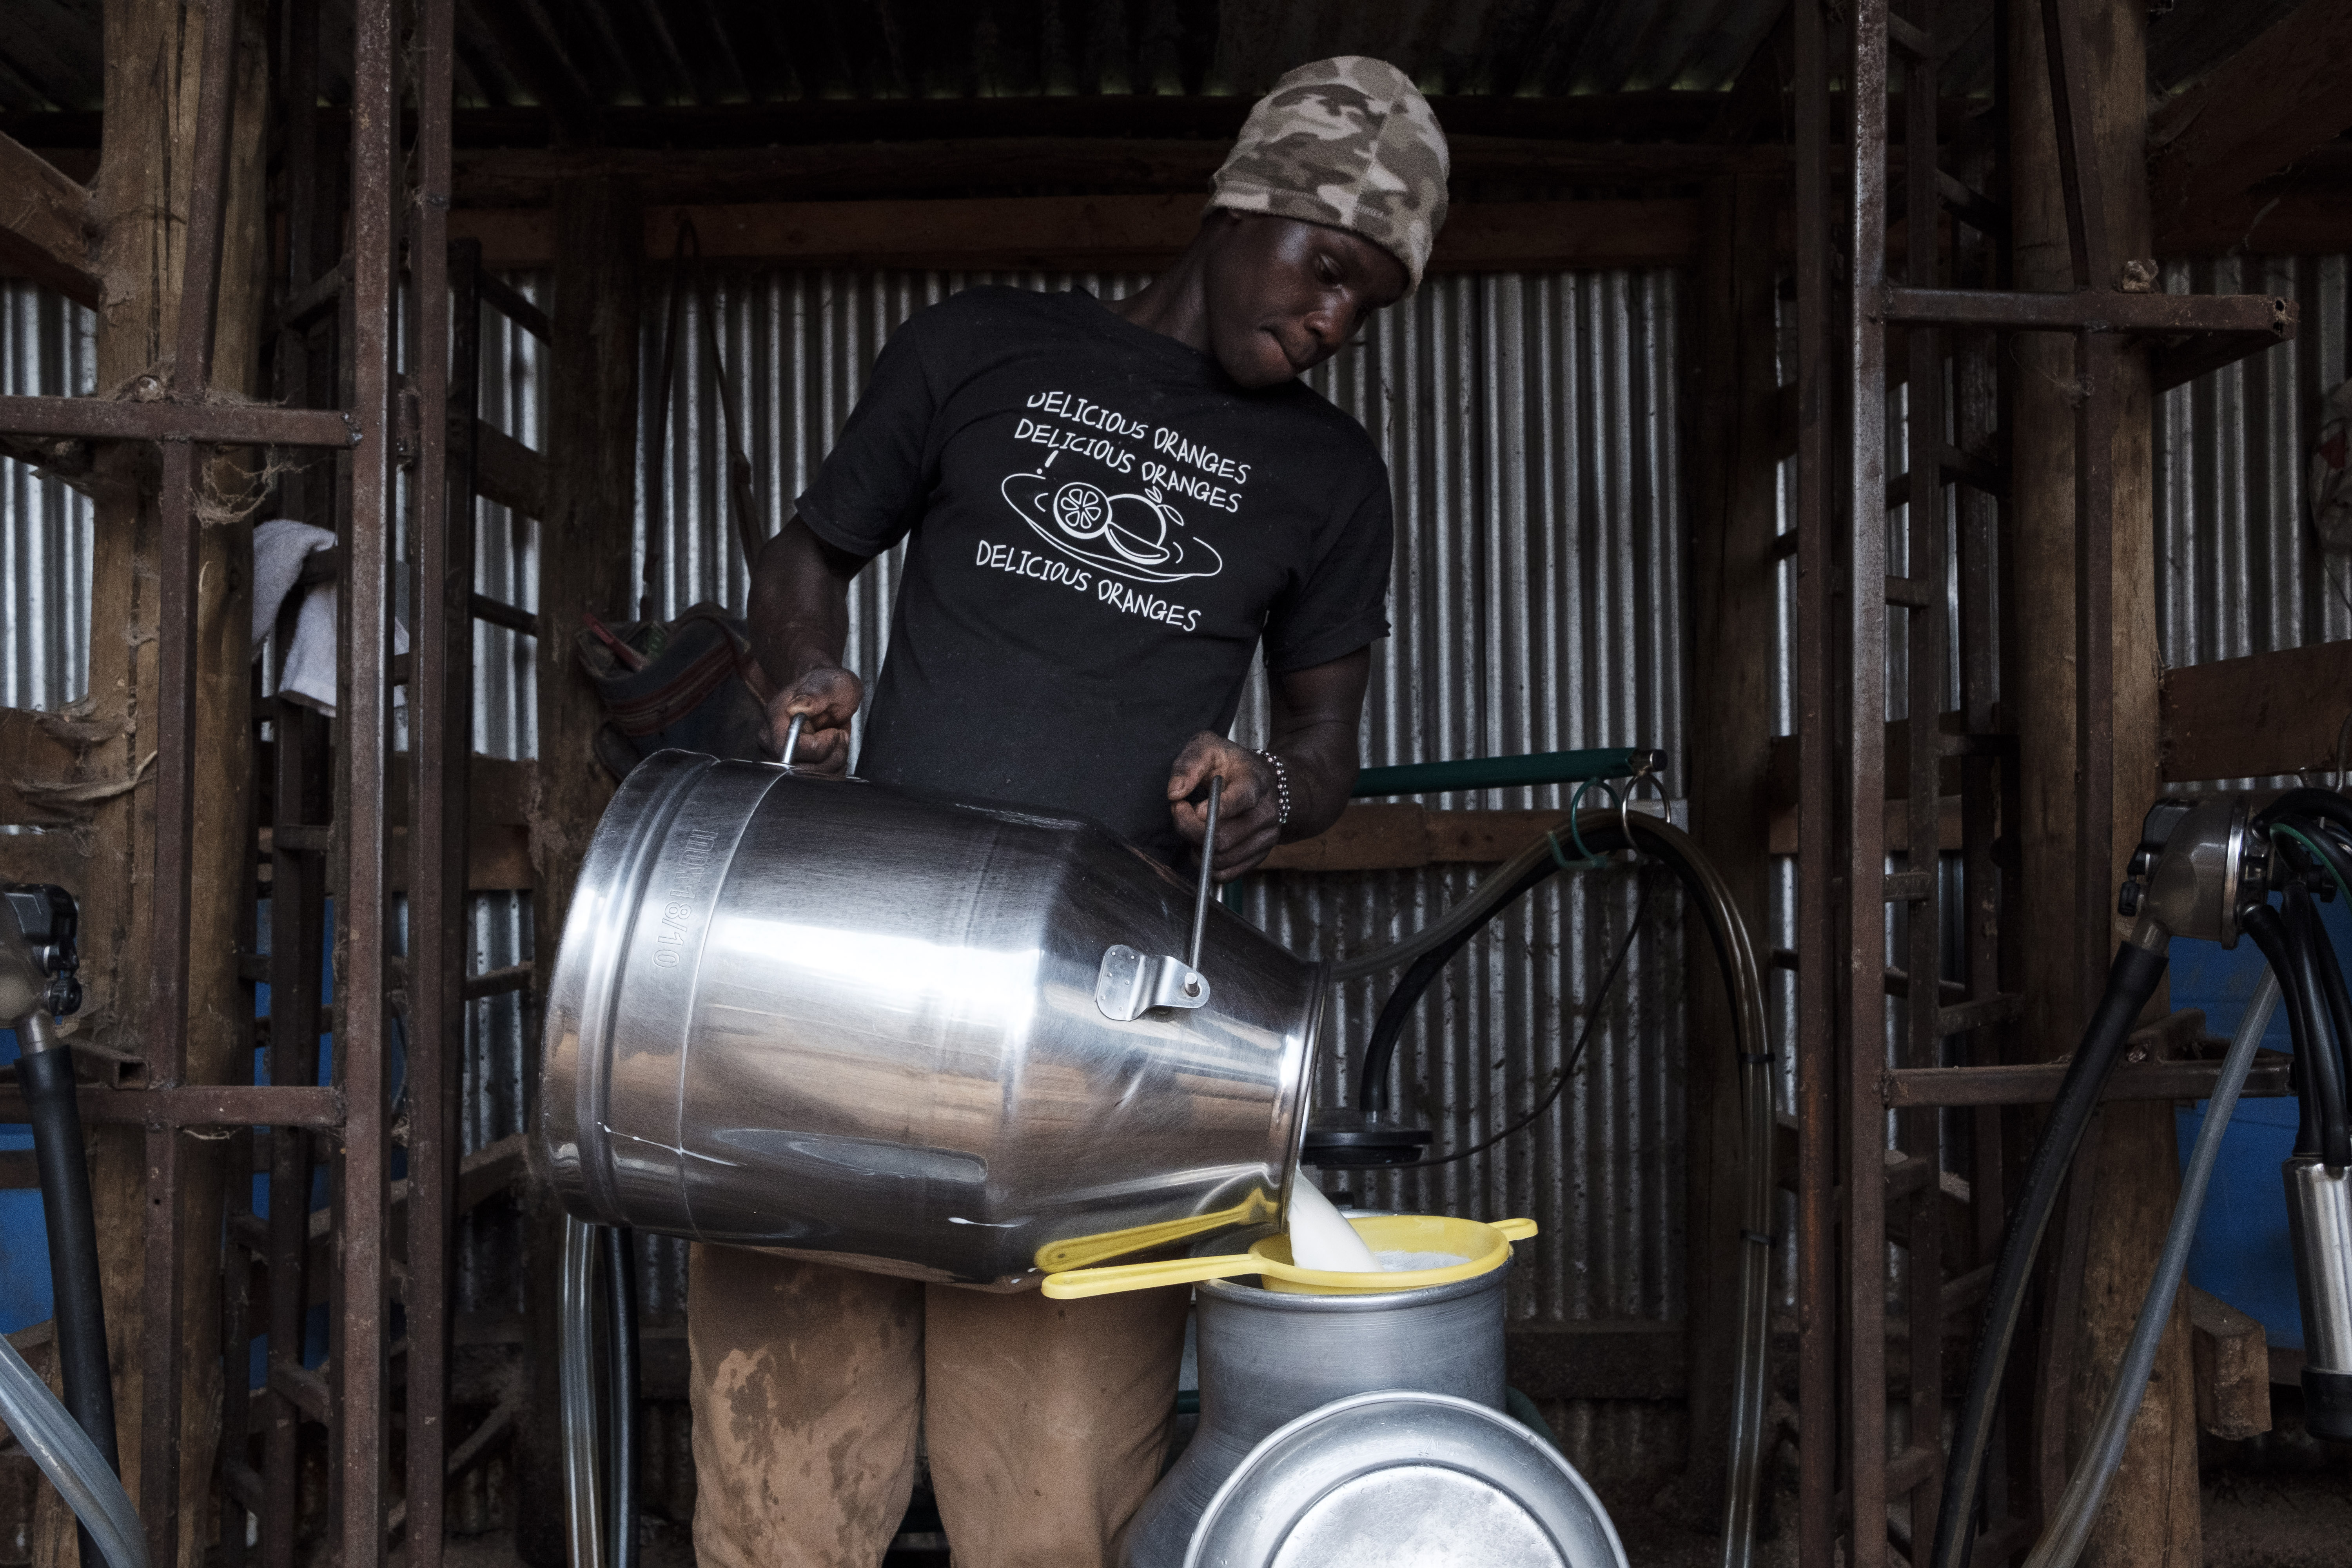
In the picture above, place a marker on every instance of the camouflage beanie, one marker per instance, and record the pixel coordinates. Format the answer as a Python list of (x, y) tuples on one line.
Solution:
[(1350, 142)]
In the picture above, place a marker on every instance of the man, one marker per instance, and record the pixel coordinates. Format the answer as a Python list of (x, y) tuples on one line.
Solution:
[(1111, 507)]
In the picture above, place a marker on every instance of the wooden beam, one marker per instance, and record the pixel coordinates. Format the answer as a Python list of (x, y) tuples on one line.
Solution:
[(2249, 718), (2233, 1359), (2285, 94), (1781, 837), (599, 266), (2131, 1175), (38, 769), (1093, 232), (508, 472), (1376, 837), (1736, 603), (2316, 221), (49, 225), (978, 166), (1781, 778)]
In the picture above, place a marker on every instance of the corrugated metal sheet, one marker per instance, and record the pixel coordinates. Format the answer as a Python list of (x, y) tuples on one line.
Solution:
[(47, 345), (1532, 431), (1533, 434), (2239, 570)]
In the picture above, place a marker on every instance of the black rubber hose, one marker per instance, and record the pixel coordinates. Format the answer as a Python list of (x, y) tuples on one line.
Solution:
[(621, 1485), (80, 1315), (2321, 1066), (2270, 937), (2131, 981), (1372, 1087), (2336, 996), (1603, 838), (2321, 803), (2332, 857), (2306, 939)]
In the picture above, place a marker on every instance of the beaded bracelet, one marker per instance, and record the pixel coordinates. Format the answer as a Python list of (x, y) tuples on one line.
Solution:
[(1281, 788)]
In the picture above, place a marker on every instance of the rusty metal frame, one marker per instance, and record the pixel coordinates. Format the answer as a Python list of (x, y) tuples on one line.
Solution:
[(297, 1120), (1947, 1067)]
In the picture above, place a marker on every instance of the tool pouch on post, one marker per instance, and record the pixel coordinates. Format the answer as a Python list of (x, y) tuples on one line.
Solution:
[(700, 688)]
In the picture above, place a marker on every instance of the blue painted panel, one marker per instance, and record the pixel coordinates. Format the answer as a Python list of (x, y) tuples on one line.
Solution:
[(2241, 1252)]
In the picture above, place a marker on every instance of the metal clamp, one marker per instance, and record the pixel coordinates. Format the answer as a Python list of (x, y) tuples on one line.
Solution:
[(1131, 982)]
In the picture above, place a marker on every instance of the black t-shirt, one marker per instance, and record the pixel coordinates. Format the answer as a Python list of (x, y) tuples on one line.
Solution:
[(1103, 525)]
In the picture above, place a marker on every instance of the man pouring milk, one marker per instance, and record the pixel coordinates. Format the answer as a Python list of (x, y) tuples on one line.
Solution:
[(1109, 507)]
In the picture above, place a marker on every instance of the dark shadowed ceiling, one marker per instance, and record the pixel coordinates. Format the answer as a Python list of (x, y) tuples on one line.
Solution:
[(593, 54)]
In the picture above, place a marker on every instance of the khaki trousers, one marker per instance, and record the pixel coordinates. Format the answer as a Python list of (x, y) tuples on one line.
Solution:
[(1046, 1421)]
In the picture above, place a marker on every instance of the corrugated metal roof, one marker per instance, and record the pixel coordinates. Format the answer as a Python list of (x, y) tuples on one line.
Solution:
[(698, 52)]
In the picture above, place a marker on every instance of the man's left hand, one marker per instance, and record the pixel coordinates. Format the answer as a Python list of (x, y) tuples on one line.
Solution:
[(1246, 830)]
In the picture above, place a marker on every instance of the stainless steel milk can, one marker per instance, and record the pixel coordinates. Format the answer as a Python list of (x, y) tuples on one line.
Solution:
[(1269, 1357), (826, 1018)]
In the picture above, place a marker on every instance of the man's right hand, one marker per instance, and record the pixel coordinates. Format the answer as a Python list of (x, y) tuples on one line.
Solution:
[(828, 696)]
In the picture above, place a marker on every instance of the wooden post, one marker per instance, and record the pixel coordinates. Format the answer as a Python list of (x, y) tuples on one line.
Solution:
[(1735, 595), (2151, 1514), (153, 50), (584, 556), (153, 54)]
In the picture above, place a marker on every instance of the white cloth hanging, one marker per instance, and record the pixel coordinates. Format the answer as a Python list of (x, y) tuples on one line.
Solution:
[(279, 548)]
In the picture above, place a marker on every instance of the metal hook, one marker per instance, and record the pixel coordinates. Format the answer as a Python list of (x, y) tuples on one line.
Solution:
[(1642, 774)]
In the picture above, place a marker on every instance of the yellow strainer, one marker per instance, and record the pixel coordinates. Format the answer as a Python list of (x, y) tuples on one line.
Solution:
[(1484, 1245)]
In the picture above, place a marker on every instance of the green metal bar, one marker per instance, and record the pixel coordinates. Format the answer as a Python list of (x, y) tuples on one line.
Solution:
[(1508, 773)]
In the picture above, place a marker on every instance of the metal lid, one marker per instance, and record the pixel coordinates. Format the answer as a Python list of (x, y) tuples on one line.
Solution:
[(1400, 1479)]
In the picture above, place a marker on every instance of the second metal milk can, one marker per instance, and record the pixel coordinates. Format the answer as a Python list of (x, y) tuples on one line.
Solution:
[(829, 1019)]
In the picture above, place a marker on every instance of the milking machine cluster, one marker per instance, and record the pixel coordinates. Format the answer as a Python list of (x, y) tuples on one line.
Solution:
[(2206, 868)]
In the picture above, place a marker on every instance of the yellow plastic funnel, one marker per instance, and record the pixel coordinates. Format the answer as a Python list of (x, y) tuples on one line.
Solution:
[(1485, 1247)]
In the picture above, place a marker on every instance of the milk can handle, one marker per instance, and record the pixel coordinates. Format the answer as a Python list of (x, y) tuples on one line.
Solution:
[(1208, 874)]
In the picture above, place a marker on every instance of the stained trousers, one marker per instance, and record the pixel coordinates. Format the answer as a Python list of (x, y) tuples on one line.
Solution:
[(1046, 1421)]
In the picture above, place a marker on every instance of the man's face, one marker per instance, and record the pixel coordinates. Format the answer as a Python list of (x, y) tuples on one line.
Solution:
[(1284, 295)]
